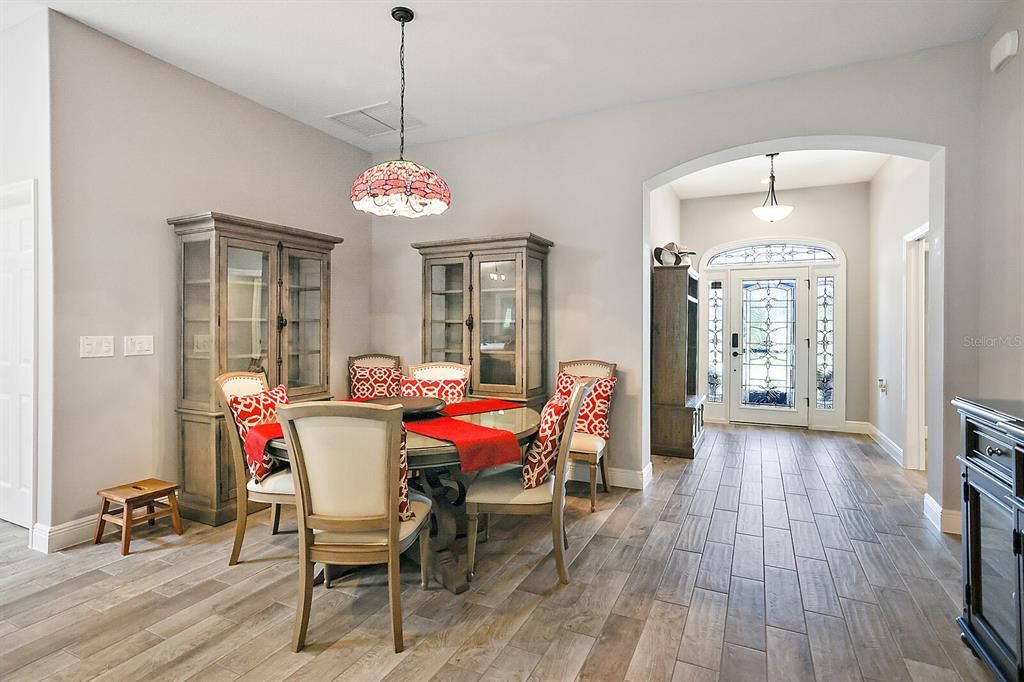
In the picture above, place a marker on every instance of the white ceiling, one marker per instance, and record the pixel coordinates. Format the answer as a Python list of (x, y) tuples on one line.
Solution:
[(489, 64), (813, 168)]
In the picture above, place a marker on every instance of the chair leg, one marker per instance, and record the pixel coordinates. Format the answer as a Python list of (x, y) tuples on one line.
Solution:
[(604, 474), (172, 501), (275, 512), (563, 573), (126, 528), (150, 508), (101, 522), (305, 600), (593, 487), (425, 555), (472, 527), (243, 507), (395, 599)]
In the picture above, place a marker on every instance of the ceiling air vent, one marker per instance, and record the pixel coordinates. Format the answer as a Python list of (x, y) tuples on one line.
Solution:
[(374, 120)]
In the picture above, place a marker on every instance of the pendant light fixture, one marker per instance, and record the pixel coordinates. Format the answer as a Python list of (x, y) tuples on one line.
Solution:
[(401, 188), (771, 210)]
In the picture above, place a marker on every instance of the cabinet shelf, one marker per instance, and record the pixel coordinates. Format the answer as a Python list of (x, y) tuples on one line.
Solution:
[(447, 292), (496, 290)]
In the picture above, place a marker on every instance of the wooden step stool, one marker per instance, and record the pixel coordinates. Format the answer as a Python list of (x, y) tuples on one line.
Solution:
[(132, 495)]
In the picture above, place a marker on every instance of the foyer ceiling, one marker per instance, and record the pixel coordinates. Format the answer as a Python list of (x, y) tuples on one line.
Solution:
[(487, 65)]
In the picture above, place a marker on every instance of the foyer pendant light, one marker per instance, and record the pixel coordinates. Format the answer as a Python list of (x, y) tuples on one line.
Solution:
[(771, 210), (401, 188)]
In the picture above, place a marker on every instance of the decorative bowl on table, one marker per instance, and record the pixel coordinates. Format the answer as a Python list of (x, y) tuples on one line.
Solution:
[(414, 407)]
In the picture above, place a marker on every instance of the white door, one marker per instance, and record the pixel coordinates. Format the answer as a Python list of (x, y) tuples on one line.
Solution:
[(17, 344), (767, 346)]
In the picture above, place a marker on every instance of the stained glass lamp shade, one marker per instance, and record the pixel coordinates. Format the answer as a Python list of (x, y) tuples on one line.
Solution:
[(401, 188)]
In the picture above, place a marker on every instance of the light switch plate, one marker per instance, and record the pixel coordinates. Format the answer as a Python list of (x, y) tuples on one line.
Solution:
[(138, 345), (95, 346)]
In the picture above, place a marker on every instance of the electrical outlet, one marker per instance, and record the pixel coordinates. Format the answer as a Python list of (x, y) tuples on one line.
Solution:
[(95, 346), (138, 345)]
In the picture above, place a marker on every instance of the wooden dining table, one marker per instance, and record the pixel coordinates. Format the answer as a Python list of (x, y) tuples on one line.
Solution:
[(439, 476)]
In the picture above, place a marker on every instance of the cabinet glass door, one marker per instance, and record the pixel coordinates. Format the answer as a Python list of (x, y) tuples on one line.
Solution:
[(246, 339), (498, 322), (196, 323), (447, 310), (304, 335), (534, 323)]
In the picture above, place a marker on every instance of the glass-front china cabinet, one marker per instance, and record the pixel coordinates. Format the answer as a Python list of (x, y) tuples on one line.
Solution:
[(484, 306), (252, 296)]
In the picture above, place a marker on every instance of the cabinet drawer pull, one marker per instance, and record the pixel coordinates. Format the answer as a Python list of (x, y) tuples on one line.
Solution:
[(994, 452)]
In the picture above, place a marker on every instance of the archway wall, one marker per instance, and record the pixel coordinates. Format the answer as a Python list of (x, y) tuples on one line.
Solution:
[(580, 182)]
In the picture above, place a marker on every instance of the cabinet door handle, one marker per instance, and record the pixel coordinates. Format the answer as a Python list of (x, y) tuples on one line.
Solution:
[(994, 452)]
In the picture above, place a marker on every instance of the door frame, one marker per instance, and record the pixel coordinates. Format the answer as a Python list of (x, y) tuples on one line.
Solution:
[(915, 338), (831, 419)]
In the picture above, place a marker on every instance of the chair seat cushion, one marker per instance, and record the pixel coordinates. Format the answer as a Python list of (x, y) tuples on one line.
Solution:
[(504, 485), (589, 443), (420, 507), (277, 483)]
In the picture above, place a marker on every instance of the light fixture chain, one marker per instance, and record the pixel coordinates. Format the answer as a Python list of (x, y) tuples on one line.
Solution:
[(401, 106)]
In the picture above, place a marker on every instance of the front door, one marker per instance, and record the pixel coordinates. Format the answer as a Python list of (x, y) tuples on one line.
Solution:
[(767, 346)]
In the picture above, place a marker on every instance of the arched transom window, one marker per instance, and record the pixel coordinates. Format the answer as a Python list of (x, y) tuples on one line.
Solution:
[(780, 252)]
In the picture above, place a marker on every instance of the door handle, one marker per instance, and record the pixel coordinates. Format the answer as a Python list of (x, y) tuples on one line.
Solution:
[(736, 353)]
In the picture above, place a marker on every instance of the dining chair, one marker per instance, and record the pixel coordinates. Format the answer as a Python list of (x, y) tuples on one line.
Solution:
[(276, 489), (435, 371), (500, 491), (345, 463), (587, 447), (374, 360)]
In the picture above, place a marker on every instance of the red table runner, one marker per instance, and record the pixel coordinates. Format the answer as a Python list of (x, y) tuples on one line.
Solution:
[(479, 447)]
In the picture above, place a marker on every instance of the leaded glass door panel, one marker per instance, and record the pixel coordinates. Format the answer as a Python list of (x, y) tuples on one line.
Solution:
[(767, 348)]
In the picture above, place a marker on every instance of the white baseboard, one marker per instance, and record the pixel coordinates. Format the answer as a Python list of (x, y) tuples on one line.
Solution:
[(51, 539), (620, 478), (943, 520), (866, 428), (888, 445)]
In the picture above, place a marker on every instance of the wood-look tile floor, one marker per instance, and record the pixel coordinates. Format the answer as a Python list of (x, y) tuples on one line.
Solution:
[(776, 554)]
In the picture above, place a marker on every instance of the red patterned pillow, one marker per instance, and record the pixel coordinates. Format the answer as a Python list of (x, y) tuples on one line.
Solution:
[(374, 382), (405, 512), (448, 390), (253, 410), (543, 454), (593, 417)]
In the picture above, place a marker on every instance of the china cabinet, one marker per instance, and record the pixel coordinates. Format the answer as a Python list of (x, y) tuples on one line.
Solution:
[(992, 473), (484, 305), (252, 296), (677, 410)]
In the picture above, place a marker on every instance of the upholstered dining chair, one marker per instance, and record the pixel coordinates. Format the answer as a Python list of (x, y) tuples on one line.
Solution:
[(588, 447), (500, 491), (345, 463), (374, 360), (435, 371), (276, 489)]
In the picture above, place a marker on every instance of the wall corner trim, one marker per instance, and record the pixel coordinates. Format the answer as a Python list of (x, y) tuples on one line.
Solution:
[(943, 520), (50, 539)]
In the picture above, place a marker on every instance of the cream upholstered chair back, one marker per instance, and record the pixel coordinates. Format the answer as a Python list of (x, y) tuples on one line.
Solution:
[(375, 360), (344, 460), (231, 385), (579, 394), (435, 371), (588, 368)]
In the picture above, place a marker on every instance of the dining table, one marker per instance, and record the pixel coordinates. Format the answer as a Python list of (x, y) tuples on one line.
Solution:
[(435, 470)]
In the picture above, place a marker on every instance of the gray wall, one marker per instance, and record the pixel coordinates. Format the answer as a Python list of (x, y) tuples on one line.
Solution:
[(579, 180), (135, 141), (837, 213), (899, 204), (998, 224)]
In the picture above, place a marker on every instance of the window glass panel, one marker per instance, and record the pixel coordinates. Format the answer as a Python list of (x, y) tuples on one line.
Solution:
[(825, 348), (716, 332), (769, 342), (304, 333), (772, 253), (247, 309)]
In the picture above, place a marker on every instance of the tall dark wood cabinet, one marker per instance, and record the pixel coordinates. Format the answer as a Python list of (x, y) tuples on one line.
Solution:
[(992, 472), (677, 410), (252, 296)]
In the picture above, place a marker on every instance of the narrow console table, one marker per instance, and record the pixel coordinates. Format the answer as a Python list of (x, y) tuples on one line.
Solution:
[(992, 470)]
